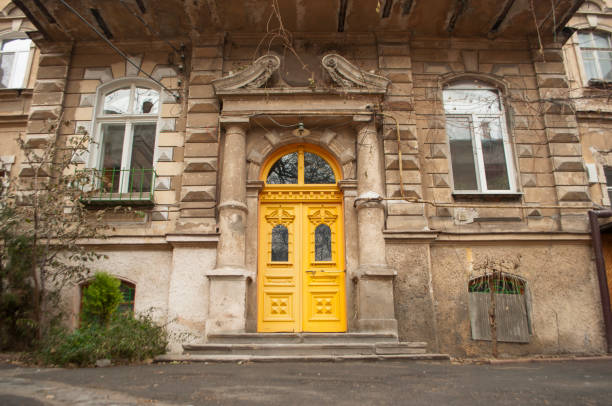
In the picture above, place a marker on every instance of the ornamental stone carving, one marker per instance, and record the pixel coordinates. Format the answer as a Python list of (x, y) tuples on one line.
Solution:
[(348, 75), (252, 77)]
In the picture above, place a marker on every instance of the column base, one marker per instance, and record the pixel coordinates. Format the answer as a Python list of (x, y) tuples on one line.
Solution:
[(227, 300), (375, 303)]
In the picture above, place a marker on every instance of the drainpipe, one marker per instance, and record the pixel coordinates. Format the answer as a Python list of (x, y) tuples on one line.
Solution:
[(601, 270)]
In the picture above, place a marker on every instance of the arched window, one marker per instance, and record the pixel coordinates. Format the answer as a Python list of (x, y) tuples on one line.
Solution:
[(596, 52), (15, 62), (128, 290), (301, 167), (126, 129), (511, 302), (481, 159)]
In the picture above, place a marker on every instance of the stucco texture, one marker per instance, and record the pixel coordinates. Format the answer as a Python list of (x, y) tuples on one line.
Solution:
[(566, 310)]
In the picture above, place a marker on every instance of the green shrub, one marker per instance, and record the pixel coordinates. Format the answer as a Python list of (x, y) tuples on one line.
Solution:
[(101, 299), (17, 320), (126, 338)]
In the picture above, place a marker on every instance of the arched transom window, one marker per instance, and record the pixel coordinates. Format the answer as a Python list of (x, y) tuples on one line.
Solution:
[(301, 167), (481, 158), (126, 130)]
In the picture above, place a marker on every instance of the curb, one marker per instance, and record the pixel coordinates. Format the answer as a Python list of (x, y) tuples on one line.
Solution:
[(544, 359)]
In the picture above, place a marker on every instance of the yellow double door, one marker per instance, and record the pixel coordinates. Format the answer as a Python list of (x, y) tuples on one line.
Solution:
[(301, 276)]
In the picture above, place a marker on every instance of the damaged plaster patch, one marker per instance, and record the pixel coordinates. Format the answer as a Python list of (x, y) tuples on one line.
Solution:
[(465, 216)]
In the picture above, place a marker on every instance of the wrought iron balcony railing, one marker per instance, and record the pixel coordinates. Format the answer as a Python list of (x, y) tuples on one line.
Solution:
[(117, 186)]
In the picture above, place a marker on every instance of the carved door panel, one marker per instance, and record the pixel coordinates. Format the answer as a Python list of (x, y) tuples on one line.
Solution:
[(279, 268), (301, 268), (323, 269)]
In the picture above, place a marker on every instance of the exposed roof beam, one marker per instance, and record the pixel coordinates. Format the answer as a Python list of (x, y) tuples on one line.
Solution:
[(502, 16), (460, 6), (407, 6), (387, 8), (342, 15)]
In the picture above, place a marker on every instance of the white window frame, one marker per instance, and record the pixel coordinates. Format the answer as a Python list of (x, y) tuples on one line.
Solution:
[(26, 73), (95, 156), (474, 119), (595, 52)]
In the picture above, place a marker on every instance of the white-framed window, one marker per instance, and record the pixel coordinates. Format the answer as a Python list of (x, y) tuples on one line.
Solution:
[(608, 173), (477, 134), (596, 53), (14, 63), (126, 127)]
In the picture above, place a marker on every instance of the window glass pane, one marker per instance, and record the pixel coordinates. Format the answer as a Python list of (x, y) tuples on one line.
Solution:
[(585, 40), (6, 67), (590, 68), (146, 101), (317, 170), (280, 243), (20, 65), (493, 155), (143, 145), (600, 40), (117, 102), (471, 101), (285, 170), (128, 291), (323, 243), (112, 150), (16, 45), (605, 64), (462, 153)]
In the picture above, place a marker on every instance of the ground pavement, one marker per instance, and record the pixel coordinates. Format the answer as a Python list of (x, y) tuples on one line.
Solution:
[(341, 383)]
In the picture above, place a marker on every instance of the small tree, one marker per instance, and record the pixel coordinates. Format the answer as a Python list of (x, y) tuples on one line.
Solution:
[(42, 209), (101, 299)]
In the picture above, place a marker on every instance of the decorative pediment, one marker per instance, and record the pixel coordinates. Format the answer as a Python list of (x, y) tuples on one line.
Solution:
[(348, 75), (252, 77)]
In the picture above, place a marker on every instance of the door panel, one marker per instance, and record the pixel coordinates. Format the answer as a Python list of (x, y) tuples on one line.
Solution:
[(279, 265), (323, 269), (301, 268)]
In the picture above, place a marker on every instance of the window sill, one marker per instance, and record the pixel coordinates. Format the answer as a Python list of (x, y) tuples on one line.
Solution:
[(122, 199), (486, 196), (599, 84)]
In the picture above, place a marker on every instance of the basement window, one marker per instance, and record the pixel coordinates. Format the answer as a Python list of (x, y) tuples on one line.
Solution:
[(512, 307), (480, 152), (128, 290)]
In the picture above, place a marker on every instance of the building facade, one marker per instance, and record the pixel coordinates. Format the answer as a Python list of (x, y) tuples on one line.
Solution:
[(340, 168)]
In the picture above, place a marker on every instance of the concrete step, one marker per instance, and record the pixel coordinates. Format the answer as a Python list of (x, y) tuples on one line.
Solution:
[(299, 358), (277, 338), (304, 349)]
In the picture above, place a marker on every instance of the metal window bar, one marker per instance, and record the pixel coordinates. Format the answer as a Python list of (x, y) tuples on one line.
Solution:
[(108, 184)]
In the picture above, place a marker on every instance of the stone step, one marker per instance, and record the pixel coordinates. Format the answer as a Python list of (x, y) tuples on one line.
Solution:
[(303, 349), (277, 338), (299, 358)]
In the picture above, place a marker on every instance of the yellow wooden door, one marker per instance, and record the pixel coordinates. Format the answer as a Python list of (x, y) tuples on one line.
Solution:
[(301, 275), (323, 269)]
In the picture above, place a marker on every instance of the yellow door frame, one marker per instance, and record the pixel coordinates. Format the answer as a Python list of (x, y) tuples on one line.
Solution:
[(301, 293)]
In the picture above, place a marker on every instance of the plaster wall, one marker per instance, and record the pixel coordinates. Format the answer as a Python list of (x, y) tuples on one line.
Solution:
[(148, 268), (567, 315)]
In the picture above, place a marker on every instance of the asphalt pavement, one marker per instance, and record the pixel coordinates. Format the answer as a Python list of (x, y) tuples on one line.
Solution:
[(342, 383)]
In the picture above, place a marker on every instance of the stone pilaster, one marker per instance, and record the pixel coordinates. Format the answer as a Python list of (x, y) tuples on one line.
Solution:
[(48, 98), (571, 184), (227, 287), (395, 62), (375, 306), (198, 190)]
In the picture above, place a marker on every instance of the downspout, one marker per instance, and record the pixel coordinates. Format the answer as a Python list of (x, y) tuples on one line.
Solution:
[(594, 215)]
